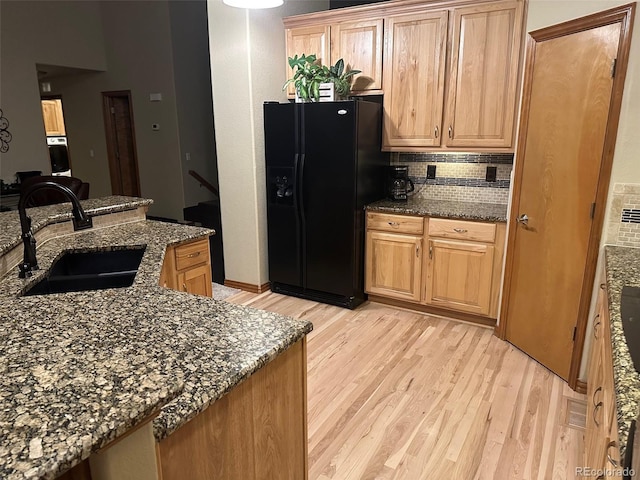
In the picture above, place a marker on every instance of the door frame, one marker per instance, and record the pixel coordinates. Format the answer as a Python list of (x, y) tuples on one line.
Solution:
[(624, 15), (114, 170)]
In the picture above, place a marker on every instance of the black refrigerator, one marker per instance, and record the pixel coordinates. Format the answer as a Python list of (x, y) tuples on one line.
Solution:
[(323, 165)]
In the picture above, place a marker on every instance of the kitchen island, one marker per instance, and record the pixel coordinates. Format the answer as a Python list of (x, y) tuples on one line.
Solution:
[(81, 370)]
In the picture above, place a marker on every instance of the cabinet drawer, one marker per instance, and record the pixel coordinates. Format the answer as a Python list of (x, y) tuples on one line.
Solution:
[(192, 254), (463, 230), (395, 223)]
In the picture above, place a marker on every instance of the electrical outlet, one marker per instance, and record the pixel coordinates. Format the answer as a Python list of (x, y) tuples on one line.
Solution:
[(491, 174), (431, 171)]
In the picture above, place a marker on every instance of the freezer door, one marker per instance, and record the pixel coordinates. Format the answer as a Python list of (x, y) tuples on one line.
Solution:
[(283, 218), (327, 176)]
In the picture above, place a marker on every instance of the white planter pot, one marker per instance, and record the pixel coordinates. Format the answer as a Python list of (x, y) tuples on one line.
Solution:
[(327, 93)]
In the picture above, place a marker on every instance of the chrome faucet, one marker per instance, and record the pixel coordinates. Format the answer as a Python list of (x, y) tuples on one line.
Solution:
[(80, 222)]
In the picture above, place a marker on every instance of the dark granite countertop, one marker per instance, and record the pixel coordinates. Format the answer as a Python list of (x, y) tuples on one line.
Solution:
[(623, 268), (79, 369), (489, 212)]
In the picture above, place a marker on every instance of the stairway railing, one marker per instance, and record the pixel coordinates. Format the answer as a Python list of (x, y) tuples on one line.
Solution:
[(204, 183)]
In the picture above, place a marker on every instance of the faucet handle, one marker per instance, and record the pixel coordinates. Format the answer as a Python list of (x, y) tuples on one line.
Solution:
[(25, 270)]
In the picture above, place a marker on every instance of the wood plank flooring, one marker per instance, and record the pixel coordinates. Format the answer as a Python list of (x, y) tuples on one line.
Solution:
[(394, 394)]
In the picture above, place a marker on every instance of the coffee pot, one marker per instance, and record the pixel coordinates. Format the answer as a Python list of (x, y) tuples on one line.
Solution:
[(398, 183)]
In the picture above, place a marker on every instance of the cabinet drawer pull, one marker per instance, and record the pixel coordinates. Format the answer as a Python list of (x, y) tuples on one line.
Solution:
[(194, 254), (599, 389), (595, 326), (595, 410), (417, 251), (602, 286), (611, 460), (460, 230), (430, 250), (450, 131), (436, 132), (394, 224), (184, 286)]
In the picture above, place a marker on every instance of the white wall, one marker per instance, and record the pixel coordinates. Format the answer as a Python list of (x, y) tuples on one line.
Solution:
[(192, 75), (543, 13), (46, 33), (121, 45), (248, 66)]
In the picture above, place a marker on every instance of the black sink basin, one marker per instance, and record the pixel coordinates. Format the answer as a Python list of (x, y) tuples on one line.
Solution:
[(80, 271), (630, 313)]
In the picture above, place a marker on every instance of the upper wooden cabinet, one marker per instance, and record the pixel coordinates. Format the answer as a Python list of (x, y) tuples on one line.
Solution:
[(483, 79), (309, 40), (414, 79), (53, 118), (450, 71), (358, 43), (480, 77)]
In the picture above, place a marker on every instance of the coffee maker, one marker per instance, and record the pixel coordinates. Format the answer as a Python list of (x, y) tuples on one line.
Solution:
[(398, 183)]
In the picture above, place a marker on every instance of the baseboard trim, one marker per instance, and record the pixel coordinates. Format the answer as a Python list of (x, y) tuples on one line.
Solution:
[(441, 312), (581, 387), (247, 287)]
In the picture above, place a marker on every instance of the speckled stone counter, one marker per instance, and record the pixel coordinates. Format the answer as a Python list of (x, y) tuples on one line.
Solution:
[(623, 268), (79, 369), (489, 212)]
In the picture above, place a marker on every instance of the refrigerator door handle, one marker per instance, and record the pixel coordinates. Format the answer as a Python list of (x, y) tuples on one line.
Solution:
[(300, 183)]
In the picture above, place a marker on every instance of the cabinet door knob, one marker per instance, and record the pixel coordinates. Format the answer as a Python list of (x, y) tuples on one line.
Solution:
[(523, 219), (609, 457), (595, 410), (599, 389)]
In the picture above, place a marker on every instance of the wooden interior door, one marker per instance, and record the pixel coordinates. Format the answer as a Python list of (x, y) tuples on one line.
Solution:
[(121, 143), (551, 254)]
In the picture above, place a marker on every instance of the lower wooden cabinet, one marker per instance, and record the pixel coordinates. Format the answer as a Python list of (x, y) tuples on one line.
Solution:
[(459, 275), (394, 265), (187, 267), (602, 451), (451, 264)]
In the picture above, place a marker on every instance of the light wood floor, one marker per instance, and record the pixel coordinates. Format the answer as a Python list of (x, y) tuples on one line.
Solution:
[(394, 394)]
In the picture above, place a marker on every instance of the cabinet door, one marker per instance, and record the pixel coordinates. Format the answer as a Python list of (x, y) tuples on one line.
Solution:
[(196, 280), (482, 91), (459, 275), (359, 44), (393, 265), (414, 65), (53, 118), (308, 40)]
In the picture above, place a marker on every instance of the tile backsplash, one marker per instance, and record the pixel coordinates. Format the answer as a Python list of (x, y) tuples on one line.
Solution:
[(460, 176), (624, 217)]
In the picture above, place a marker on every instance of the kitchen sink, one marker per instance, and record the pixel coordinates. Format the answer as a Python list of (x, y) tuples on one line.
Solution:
[(97, 270)]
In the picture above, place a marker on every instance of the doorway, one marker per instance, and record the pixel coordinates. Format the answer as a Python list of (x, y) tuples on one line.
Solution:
[(574, 77), (121, 143)]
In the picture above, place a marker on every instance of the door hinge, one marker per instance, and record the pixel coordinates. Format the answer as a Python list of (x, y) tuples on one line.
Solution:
[(575, 330), (613, 67), (593, 210)]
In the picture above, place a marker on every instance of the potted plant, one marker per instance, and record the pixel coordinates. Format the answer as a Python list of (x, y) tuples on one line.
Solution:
[(309, 77)]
